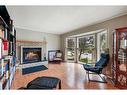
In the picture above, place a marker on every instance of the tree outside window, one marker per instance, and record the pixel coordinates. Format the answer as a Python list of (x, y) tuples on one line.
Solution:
[(87, 49)]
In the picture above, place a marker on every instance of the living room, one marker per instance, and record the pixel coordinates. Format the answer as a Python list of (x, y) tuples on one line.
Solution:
[(57, 47)]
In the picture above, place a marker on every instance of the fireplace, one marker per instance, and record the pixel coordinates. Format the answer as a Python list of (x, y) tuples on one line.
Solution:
[(31, 54)]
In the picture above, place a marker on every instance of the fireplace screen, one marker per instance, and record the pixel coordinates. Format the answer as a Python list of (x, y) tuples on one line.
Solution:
[(31, 55)]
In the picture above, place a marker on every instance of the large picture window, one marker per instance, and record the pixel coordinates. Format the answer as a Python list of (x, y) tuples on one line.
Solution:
[(86, 49)]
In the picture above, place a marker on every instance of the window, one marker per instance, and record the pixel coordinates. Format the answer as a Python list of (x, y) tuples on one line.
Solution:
[(70, 49), (102, 43), (70, 43), (86, 49)]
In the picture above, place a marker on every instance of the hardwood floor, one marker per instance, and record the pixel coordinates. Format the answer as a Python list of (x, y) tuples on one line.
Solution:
[(72, 76)]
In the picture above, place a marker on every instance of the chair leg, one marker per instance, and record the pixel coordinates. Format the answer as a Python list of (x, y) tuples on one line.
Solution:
[(88, 76), (102, 78), (60, 84)]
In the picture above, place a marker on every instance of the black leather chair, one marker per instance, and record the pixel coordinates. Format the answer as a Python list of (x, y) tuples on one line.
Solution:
[(97, 69)]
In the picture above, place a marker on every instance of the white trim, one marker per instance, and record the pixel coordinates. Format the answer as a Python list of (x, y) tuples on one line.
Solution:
[(87, 33)]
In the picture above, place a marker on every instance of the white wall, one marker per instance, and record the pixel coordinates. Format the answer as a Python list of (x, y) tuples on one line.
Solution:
[(53, 41)]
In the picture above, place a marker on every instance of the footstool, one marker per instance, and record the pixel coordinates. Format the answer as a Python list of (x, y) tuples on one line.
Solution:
[(44, 83)]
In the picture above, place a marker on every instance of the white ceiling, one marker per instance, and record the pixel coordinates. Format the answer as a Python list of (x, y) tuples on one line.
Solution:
[(61, 19)]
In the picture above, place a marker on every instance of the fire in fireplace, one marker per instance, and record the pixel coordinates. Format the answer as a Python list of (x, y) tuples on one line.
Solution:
[(30, 55)]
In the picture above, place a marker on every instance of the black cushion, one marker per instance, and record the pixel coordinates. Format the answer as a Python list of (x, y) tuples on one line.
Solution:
[(96, 69), (43, 83)]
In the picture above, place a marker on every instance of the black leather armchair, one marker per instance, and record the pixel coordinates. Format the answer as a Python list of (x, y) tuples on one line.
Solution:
[(97, 69)]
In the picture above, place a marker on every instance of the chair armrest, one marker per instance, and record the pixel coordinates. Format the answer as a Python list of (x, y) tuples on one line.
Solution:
[(97, 67), (92, 67), (91, 64)]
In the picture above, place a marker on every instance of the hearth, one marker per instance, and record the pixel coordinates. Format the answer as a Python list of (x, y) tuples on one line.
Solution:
[(31, 54)]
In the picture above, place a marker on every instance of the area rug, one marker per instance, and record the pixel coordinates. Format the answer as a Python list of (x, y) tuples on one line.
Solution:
[(33, 69)]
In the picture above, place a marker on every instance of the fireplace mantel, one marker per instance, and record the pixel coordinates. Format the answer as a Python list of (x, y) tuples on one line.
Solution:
[(25, 43)]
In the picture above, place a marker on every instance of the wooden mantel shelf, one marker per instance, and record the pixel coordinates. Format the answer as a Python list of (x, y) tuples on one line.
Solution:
[(24, 41)]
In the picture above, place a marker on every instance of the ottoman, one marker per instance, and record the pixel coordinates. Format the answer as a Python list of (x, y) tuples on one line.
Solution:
[(44, 83)]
